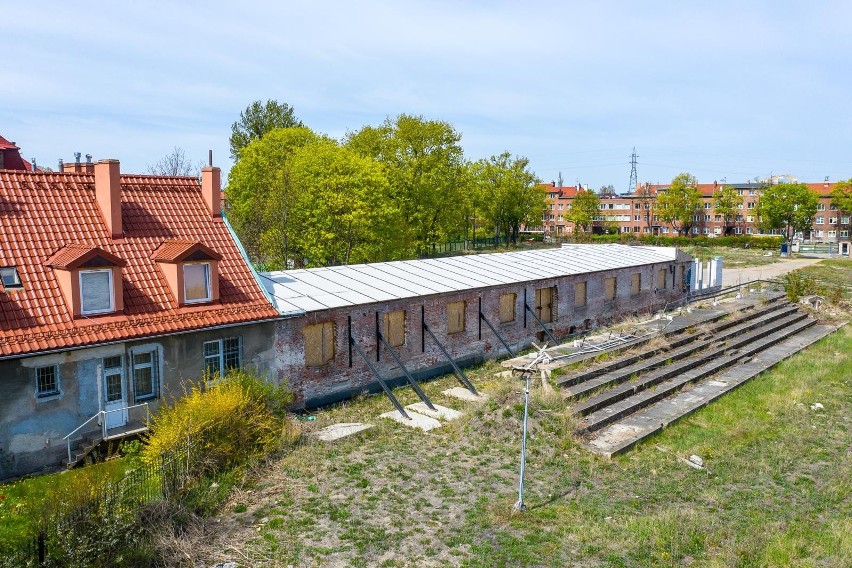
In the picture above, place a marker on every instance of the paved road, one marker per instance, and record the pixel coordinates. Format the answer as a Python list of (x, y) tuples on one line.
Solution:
[(733, 276)]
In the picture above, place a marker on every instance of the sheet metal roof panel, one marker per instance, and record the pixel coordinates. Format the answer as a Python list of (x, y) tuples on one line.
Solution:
[(339, 286)]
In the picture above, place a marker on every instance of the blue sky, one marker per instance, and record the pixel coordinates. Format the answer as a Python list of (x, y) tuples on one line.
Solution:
[(730, 90)]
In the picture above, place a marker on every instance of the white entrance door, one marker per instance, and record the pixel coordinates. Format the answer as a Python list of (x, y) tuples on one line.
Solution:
[(115, 401)]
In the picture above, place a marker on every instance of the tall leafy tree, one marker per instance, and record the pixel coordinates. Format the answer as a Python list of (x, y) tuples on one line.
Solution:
[(678, 204), (841, 197), (258, 119), (585, 207), (260, 196), (788, 206), (425, 168), (341, 212), (726, 202), (510, 197)]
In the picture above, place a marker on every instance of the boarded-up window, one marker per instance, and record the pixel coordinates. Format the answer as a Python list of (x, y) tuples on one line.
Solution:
[(455, 317), (580, 294), (319, 343), (661, 279), (635, 283), (545, 307), (609, 288), (507, 307), (395, 328)]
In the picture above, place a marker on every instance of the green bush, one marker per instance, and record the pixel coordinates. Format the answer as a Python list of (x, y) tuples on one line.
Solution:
[(798, 284), (734, 241)]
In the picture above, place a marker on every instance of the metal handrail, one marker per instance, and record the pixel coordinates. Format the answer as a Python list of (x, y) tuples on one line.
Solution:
[(101, 416)]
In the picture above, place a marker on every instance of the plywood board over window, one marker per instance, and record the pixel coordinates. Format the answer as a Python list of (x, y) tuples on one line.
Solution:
[(661, 279), (319, 343), (394, 330), (455, 317), (545, 304), (580, 294), (635, 283), (610, 287), (507, 307)]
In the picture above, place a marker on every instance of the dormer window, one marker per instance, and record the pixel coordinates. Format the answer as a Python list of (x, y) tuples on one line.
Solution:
[(196, 282), (96, 292), (10, 278), (191, 270), (90, 279)]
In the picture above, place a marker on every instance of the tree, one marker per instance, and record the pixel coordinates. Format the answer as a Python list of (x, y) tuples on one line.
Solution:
[(176, 163), (425, 167), (341, 212), (507, 194), (585, 208), (607, 190), (257, 120), (788, 206), (678, 204), (841, 197), (261, 194), (726, 202)]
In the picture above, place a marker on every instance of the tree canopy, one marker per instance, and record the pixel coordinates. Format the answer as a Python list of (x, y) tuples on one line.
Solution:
[(585, 207), (258, 119), (678, 204), (175, 163), (726, 202), (841, 197), (788, 206)]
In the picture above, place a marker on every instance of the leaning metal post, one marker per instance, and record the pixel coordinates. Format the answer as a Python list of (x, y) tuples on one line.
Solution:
[(519, 506)]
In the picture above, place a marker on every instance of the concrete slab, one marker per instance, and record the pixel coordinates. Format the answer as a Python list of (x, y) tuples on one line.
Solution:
[(462, 393), (338, 431), (440, 412), (425, 423)]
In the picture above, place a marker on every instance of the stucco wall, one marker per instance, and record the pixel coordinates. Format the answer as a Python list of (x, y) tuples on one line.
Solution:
[(338, 380), (31, 429)]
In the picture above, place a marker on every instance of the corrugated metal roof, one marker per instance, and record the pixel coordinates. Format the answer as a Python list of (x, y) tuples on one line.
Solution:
[(314, 289)]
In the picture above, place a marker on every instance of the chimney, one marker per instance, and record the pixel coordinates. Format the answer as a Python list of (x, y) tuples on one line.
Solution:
[(108, 194), (825, 183), (553, 184), (211, 189), (77, 162)]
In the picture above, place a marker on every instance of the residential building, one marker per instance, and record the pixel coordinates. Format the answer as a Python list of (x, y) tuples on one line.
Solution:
[(116, 288), (10, 157)]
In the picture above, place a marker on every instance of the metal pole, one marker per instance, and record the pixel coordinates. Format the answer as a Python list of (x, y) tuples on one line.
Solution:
[(519, 506)]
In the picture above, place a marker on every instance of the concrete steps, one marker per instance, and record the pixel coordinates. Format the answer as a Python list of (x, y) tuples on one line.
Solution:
[(675, 338), (628, 398), (715, 337), (619, 437)]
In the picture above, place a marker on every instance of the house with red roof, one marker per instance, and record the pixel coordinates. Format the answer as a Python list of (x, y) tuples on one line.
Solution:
[(10, 157), (115, 288)]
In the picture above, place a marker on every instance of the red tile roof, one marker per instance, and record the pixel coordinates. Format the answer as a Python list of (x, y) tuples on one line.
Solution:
[(76, 254), (178, 251), (12, 159), (563, 191), (54, 218), (708, 189)]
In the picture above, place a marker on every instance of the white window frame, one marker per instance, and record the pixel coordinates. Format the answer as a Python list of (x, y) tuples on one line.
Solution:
[(218, 357), (57, 390), (153, 364), (209, 295), (111, 307)]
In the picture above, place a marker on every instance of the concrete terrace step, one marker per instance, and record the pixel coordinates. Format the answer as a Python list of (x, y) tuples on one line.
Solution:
[(676, 338), (641, 397), (664, 357), (737, 345), (618, 438)]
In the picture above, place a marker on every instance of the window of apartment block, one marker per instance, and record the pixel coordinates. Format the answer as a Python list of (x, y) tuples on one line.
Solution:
[(832, 233), (832, 220), (833, 207), (196, 282), (610, 288), (844, 233), (738, 230), (455, 317), (717, 230), (47, 381), (222, 355), (145, 371), (695, 230), (545, 303), (96, 291), (707, 205), (319, 343), (661, 279), (749, 231), (820, 206), (507, 307), (751, 204), (394, 331), (580, 294), (635, 229), (635, 283), (820, 220)]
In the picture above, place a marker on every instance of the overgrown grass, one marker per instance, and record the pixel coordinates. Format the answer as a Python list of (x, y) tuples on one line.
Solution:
[(831, 275), (777, 492), (733, 257)]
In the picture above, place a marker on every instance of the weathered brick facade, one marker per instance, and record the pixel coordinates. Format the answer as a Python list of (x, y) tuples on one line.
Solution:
[(346, 374)]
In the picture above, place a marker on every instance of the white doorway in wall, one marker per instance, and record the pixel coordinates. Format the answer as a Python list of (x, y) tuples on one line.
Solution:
[(115, 393)]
